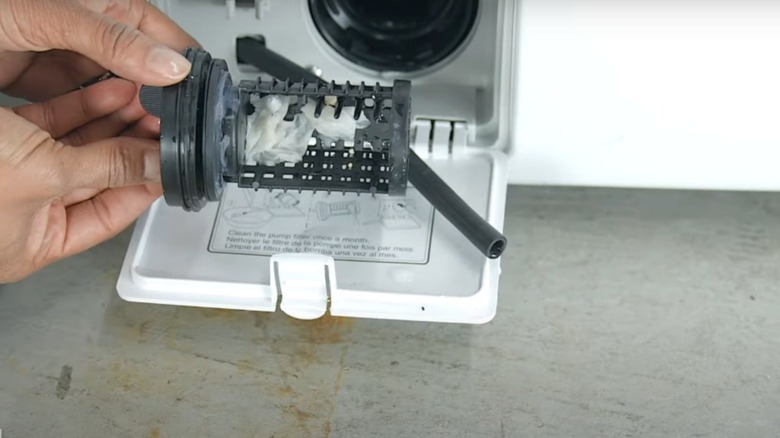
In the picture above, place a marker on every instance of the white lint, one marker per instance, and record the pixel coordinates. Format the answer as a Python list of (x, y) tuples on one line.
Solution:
[(271, 140)]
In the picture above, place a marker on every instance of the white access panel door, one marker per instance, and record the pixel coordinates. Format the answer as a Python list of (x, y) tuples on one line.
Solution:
[(670, 94)]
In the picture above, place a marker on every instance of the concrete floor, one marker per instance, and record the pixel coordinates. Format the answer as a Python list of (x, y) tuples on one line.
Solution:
[(622, 313)]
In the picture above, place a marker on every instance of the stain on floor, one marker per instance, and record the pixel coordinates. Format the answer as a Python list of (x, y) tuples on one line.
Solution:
[(63, 383)]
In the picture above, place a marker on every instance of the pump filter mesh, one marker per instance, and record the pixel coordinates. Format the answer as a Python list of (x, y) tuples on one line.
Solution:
[(332, 137)]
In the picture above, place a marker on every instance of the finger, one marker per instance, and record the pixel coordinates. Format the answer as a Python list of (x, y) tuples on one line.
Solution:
[(63, 114), (52, 74), (157, 25), (116, 162), (116, 45), (112, 125), (147, 127), (102, 217), (129, 53), (79, 195), (14, 63)]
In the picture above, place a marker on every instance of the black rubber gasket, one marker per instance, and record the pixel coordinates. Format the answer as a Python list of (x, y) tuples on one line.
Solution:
[(400, 36)]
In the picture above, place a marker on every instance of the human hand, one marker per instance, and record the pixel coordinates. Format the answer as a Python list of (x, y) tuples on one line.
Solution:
[(70, 183), (50, 47)]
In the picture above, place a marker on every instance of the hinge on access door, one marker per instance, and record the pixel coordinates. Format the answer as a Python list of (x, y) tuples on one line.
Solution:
[(304, 282), (439, 138)]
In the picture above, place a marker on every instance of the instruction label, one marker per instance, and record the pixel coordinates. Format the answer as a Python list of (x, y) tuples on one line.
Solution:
[(346, 227)]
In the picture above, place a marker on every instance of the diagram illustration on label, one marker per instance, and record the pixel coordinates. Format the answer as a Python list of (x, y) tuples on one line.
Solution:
[(342, 226), (251, 216)]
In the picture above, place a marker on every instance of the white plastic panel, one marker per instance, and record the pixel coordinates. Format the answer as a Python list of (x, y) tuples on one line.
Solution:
[(148, 276), (169, 261), (677, 94)]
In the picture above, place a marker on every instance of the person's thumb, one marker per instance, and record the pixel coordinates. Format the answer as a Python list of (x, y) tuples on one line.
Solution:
[(112, 163), (118, 47), (127, 52)]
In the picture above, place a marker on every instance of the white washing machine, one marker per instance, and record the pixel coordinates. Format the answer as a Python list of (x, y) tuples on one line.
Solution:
[(566, 92)]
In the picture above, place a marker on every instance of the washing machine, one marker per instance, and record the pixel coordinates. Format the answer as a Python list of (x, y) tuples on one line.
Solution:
[(308, 253), (542, 92)]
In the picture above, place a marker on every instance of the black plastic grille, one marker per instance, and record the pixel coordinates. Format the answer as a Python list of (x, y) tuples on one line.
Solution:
[(375, 161), (345, 170)]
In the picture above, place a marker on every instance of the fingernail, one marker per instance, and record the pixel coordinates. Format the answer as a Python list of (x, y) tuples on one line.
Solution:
[(152, 165), (167, 63)]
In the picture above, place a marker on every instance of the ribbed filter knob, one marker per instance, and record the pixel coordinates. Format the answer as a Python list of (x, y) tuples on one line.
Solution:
[(151, 100)]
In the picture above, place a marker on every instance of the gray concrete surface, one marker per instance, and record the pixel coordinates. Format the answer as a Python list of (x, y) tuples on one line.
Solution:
[(622, 313)]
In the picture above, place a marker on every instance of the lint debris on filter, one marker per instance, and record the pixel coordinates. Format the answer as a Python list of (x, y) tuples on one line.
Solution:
[(271, 140)]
